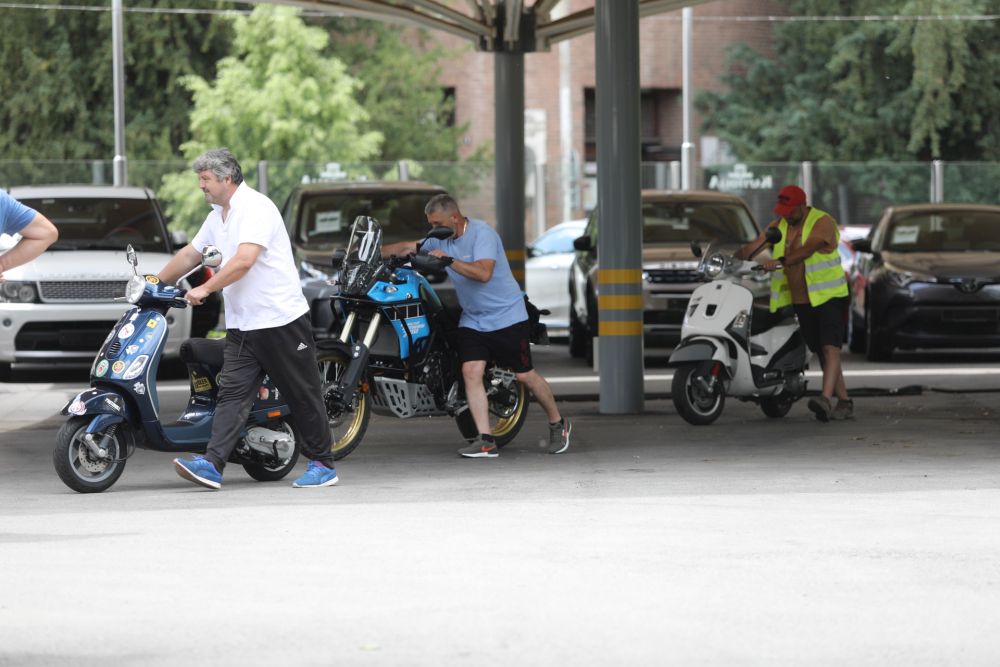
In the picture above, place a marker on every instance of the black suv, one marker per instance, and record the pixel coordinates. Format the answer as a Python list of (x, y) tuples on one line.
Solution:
[(318, 217)]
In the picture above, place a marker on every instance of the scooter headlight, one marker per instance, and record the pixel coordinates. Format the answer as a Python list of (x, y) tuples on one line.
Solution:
[(714, 265), (134, 289)]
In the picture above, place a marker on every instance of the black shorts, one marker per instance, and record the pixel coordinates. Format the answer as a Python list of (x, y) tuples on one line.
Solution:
[(508, 347), (824, 324)]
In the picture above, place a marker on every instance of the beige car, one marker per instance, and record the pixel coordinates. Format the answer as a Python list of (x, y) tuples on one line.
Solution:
[(670, 222)]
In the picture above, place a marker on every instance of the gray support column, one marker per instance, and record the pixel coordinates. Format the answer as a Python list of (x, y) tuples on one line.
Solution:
[(118, 79), (619, 237), (508, 88)]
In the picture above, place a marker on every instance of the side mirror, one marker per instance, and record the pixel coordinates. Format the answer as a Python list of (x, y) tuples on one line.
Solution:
[(696, 248), (211, 256), (772, 235), (583, 243), (862, 245), (530, 250), (439, 233), (130, 256)]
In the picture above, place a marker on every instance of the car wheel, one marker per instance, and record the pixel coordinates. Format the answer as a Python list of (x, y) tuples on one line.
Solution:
[(876, 348)]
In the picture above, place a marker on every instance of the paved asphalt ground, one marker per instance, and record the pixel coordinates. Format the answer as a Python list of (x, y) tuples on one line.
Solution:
[(751, 541)]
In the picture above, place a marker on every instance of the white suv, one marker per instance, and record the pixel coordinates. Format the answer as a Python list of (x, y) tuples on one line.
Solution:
[(59, 308)]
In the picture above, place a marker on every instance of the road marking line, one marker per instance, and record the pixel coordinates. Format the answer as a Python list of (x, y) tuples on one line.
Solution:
[(899, 372)]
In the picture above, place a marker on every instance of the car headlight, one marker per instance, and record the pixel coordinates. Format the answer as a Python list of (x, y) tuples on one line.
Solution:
[(904, 278), (134, 288), (714, 265), (14, 291)]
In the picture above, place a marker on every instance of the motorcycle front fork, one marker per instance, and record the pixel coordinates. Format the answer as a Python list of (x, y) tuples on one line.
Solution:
[(348, 382)]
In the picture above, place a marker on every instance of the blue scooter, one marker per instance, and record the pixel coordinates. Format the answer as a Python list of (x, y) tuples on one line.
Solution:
[(121, 410)]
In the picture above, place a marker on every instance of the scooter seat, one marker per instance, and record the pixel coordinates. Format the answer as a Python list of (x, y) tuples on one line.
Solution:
[(203, 351)]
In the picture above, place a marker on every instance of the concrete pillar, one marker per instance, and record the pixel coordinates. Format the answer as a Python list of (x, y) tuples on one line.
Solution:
[(508, 86), (619, 280)]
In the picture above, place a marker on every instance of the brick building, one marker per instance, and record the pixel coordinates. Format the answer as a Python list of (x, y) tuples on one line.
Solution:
[(548, 126)]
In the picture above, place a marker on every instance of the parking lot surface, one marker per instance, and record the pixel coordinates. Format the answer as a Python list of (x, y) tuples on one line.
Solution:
[(752, 541)]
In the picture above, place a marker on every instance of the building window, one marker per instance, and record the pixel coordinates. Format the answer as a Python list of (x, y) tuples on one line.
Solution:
[(660, 127)]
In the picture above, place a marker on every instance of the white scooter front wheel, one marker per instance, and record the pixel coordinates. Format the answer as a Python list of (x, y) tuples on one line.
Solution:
[(699, 398)]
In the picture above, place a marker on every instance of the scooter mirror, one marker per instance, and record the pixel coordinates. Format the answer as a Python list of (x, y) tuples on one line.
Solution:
[(211, 256), (439, 233), (130, 256), (696, 248), (772, 235)]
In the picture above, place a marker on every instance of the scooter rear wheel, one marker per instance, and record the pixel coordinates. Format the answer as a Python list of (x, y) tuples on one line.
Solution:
[(78, 468), (778, 406), (696, 405), (262, 472)]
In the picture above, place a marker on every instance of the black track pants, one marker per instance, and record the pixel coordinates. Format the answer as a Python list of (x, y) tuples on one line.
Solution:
[(288, 355)]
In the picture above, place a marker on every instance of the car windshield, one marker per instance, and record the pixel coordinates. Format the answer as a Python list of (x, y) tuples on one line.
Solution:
[(692, 221), (556, 241), (108, 223), (944, 231), (325, 219)]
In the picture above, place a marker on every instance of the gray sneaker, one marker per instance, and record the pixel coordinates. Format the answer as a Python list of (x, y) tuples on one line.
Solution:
[(820, 405), (559, 436), (480, 449), (843, 410)]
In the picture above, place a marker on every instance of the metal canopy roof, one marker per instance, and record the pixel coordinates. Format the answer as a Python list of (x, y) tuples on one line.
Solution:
[(493, 25)]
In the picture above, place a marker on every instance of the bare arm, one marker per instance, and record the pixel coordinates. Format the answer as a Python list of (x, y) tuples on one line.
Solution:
[(38, 235), (821, 235), (481, 270), (236, 267), (399, 249), (186, 259)]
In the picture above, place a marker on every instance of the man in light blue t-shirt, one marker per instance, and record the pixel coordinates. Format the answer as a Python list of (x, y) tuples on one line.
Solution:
[(494, 325), (37, 232)]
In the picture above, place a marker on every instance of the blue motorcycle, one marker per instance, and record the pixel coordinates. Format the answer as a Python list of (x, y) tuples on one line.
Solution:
[(121, 411), (395, 354)]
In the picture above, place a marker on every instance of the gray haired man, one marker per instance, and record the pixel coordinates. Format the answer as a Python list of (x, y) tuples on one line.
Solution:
[(267, 319)]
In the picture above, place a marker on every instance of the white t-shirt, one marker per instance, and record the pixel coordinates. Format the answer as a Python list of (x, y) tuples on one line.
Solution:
[(270, 294)]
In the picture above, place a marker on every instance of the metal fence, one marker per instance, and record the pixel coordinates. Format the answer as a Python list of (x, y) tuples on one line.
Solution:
[(854, 193)]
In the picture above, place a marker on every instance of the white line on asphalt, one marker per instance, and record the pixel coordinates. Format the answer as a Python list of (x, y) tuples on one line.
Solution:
[(898, 372)]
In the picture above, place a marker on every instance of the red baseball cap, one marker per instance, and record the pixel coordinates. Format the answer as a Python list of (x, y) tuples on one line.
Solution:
[(789, 197)]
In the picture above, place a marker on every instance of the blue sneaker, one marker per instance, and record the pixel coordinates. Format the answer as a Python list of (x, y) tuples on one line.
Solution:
[(316, 475), (200, 471)]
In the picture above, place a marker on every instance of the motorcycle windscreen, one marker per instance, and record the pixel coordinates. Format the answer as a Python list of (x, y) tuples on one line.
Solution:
[(364, 254)]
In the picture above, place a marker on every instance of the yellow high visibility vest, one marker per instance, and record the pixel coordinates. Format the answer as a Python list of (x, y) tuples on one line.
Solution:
[(824, 274)]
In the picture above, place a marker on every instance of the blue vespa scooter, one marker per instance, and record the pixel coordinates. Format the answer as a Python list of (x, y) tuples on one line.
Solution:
[(121, 410)]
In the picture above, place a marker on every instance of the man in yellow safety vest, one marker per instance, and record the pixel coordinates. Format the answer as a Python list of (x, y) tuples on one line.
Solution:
[(807, 274)]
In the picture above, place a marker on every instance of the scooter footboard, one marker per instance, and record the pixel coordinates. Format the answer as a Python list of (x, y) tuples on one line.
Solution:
[(699, 349)]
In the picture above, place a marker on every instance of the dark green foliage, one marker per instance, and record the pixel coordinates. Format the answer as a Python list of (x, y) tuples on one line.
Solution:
[(866, 90), (56, 78)]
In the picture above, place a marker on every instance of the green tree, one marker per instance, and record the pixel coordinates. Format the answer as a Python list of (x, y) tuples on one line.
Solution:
[(866, 90), (56, 78), (277, 97)]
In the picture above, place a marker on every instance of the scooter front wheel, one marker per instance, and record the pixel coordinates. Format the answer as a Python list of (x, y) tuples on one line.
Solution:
[(347, 426), (78, 468), (697, 401)]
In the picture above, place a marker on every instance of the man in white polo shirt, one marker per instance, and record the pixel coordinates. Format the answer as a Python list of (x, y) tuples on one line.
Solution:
[(267, 321)]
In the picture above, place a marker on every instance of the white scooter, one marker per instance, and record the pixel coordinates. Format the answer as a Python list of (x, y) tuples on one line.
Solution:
[(730, 348)]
